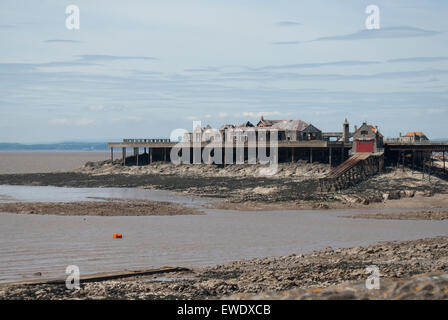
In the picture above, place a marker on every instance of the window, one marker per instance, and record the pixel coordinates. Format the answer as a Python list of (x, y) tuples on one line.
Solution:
[(364, 132)]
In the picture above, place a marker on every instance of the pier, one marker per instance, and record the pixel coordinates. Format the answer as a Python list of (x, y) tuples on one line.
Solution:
[(146, 151)]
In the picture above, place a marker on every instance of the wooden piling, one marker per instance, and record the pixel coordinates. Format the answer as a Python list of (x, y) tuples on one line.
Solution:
[(413, 160), (402, 161), (444, 171)]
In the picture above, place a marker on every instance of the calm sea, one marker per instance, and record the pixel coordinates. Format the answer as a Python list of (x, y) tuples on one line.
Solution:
[(47, 161)]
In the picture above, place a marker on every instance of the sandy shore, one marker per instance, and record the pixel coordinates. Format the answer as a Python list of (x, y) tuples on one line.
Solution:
[(324, 274), (412, 215), (106, 207)]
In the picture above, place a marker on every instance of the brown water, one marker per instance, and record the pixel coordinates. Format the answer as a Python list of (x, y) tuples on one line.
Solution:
[(47, 161), (48, 244)]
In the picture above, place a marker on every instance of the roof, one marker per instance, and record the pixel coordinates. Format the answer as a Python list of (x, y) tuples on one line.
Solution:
[(297, 125), (246, 124), (364, 126), (227, 126), (267, 123), (416, 133), (375, 130)]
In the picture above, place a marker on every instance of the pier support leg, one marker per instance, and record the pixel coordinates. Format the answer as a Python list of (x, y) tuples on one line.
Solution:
[(402, 160), (342, 155), (311, 155), (444, 171), (329, 156), (150, 155), (112, 154), (164, 154), (292, 154), (136, 151), (224, 156), (430, 166), (423, 165), (123, 151), (413, 160)]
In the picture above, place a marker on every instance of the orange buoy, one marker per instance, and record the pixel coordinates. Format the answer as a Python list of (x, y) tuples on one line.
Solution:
[(118, 235)]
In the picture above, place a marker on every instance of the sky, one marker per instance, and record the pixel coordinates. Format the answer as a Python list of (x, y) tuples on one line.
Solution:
[(141, 69)]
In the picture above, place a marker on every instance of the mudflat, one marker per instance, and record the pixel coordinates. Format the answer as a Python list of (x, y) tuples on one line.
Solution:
[(414, 269), (108, 207), (412, 215), (242, 188)]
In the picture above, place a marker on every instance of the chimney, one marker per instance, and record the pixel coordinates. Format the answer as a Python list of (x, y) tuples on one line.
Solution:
[(261, 118), (345, 131)]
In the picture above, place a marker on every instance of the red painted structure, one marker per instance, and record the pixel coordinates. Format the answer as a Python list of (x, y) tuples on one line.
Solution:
[(364, 145)]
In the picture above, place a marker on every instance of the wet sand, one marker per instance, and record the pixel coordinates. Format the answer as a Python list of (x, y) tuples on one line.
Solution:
[(310, 276), (413, 215), (394, 189), (106, 207)]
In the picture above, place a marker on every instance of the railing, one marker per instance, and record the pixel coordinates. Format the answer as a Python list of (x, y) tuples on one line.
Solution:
[(417, 143), (146, 140)]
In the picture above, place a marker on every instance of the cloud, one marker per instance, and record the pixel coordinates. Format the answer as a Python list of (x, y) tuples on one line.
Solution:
[(83, 60), (345, 63), (128, 119), (288, 24), (419, 59), (84, 122), (61, 41), (103, 57), (96, 108), (204, 69), (59, 121), (76, 122), (272, 76), (286, 42), (383, 33), (259, 114)]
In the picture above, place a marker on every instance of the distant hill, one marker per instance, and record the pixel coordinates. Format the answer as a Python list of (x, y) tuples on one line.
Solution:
[(82, 146)]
